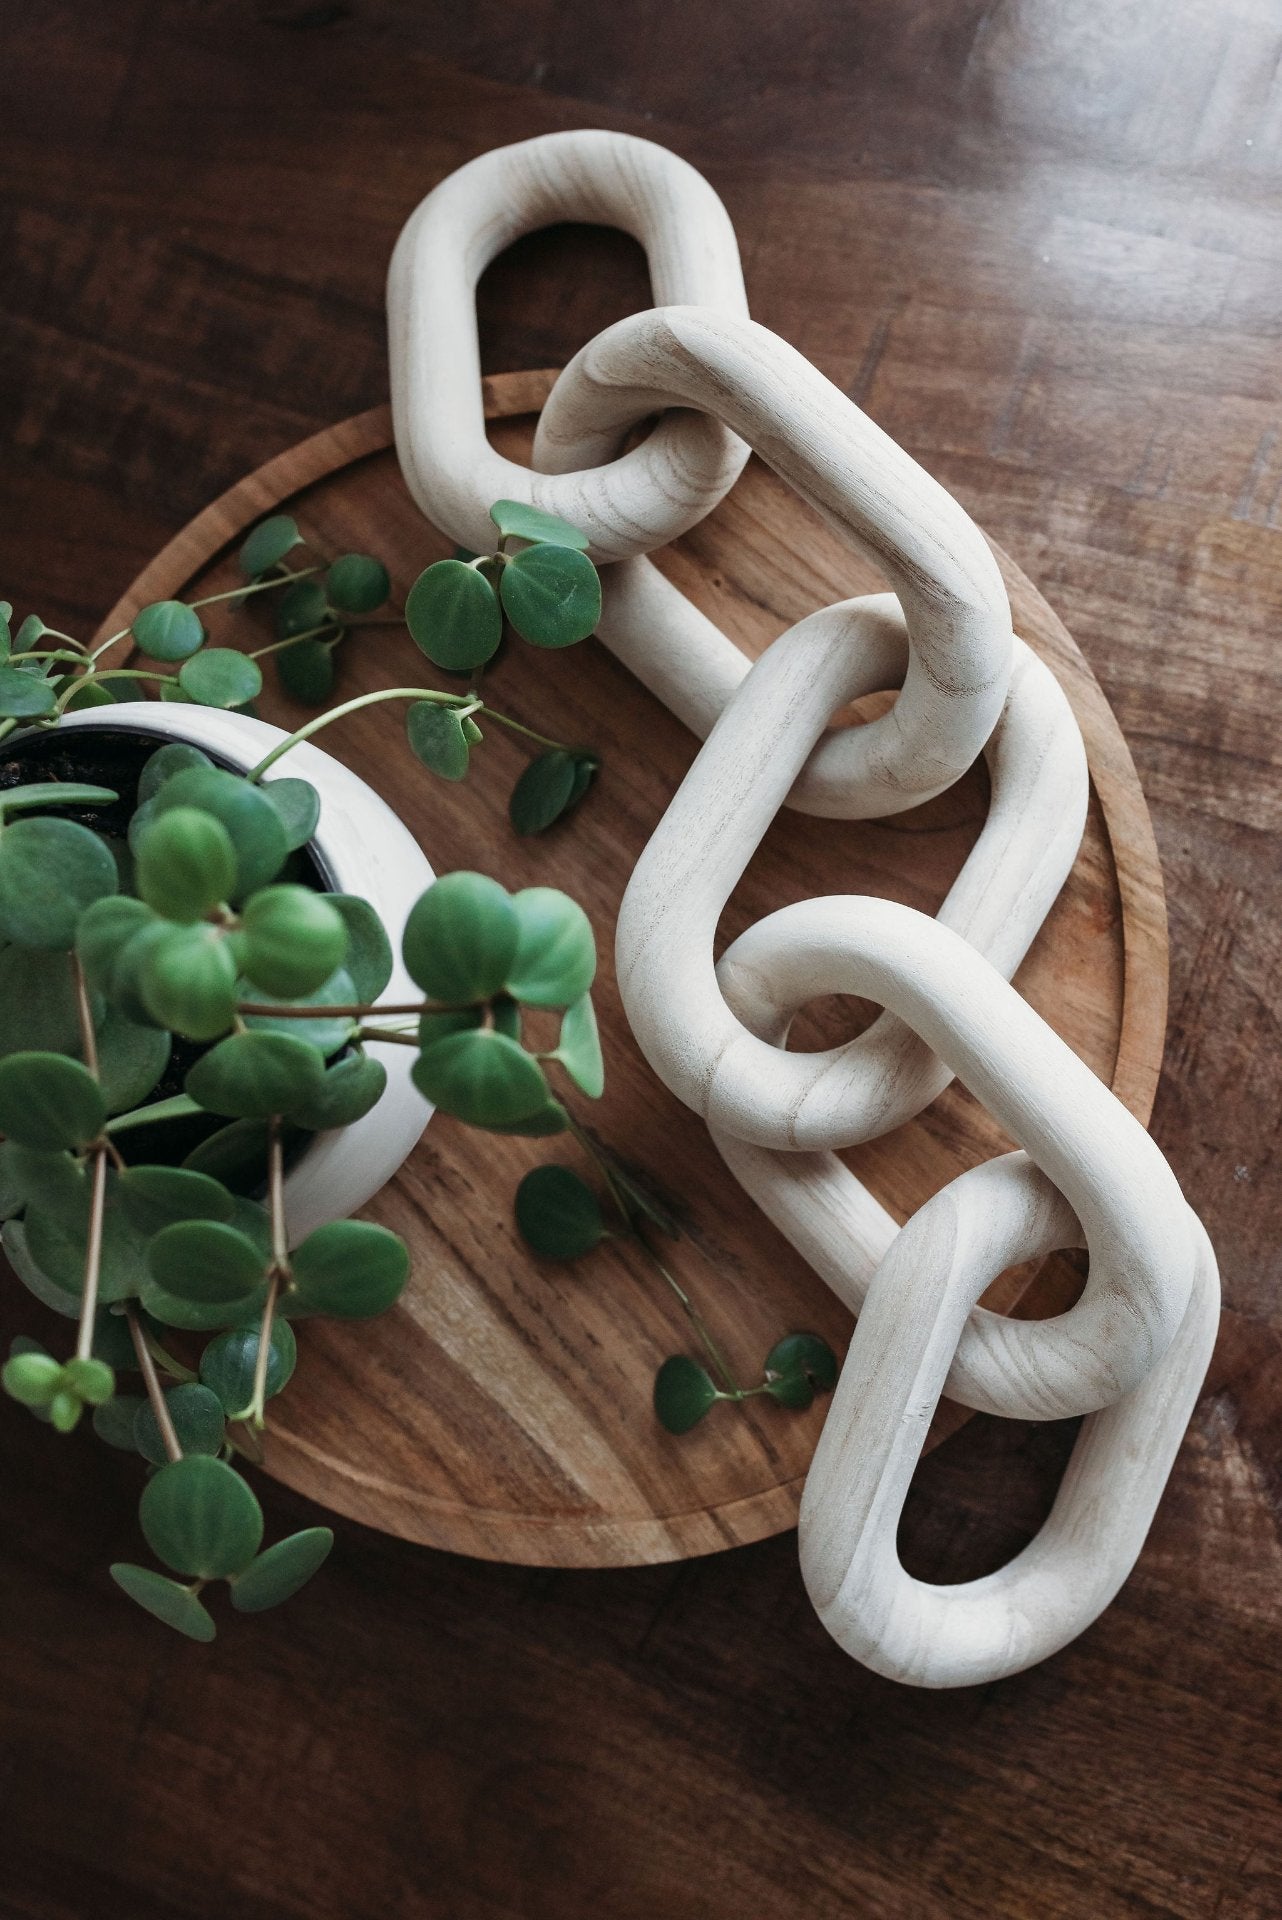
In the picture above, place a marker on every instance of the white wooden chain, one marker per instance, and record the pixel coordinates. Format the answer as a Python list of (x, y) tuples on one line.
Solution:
[(1137, 1342)]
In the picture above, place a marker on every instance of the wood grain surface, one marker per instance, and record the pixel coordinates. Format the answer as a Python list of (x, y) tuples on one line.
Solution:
[(1041, 245), (503, 1408)]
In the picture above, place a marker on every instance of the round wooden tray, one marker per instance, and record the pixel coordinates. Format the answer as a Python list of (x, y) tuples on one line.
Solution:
[(503, 1409)]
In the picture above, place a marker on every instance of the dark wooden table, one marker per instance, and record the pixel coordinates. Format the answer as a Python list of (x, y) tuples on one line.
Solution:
[(1040, 242)]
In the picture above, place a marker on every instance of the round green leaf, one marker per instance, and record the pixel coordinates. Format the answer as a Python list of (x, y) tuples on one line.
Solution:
[(357, 583), (293, 940), (235, 1155), (176, 756), (307, 671), (369, 951), (555, 959), (328, 1036), (453, 616), (38, 1011), (114, 1421), (544, 791), (170, 690), (31, 1379), (248, 815), (205, 1261), (437, 738), (298, 804), (65, 1410), (57, 1233), (349, 1090), (558, 1214), (461, 938), (168, 630), (197, 1415), (267, 545), (47, 1100), (552, 595), (103, 932), (683, 1393), (200, 1518), (185, 863), (53, 793), (279, 1573), (228, 1364), (199, 1316), (579, 1048), (516, 520), (547, 1119), (252, 1075), (131, 1060), (481, 1077), (221, 677), (174, 1605), (299, 609), (156, 1197), (799, 1366), (50, 871), (351, 1269), (187, 981), (17, 1251), (91, 1380), (26, 696)]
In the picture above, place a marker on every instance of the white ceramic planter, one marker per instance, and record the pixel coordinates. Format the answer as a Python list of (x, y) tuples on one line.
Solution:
[(364, 849)]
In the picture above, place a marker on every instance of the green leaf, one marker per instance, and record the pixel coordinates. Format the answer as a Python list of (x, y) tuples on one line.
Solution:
[(453, 616), (31, 1379), (205, 1261), (47, 1100), (279, 1573), (369, 951), (437, 738), (187, 981), (558, 1214), (306, 671), (65, 1410), (299, 609), (579, 1048), (50, 871), (328, 1036), (350, 1268), (131, 1060), (33, 1276), (176, 756), (229, 1362), (555, 959), (199, 1316), (157, 1197), (29, 634), (221, 677), (26, 696), (6, 636), (461, 938), (53, 793), (545, 1120), (236, 1155), (253, 1075), (200, 1518), (114, 1421), (246, 812), (292, 940), (357, 583), (90, 1379), (57, 1232), (104, 930), (799, 1366), (683, 1393), (267, 545), (349, 1090), (517, 521), (547, 790), (185, 863), (168, 630), (112, 1342), (552, 595), (481, 1077), (174, 1605), (298, 804), (197, 1415), (38, 1010)]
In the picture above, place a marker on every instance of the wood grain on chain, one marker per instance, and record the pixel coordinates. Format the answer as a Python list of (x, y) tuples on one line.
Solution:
[(504, 1409)]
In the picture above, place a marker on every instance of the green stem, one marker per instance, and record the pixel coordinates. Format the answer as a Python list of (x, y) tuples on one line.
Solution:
[(98, 1189), (434, 694), (249, 1009), (282, 579), (541, 739), (292, 640), (696, 1319), (387, 1033), (163, 1358), (111, 673), (279, 1270)]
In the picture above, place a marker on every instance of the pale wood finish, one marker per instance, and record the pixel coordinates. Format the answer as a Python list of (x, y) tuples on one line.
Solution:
[(504, 1409)]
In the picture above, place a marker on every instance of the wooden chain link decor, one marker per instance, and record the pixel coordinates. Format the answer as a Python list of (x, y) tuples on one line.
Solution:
[(1132, 1352)]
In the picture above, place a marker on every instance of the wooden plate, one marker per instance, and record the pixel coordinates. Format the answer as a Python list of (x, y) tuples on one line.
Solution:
[(504, 1408)]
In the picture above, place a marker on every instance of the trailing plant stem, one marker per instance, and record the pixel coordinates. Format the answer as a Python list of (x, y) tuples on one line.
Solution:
[(155, 1392)]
